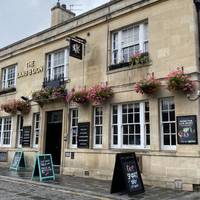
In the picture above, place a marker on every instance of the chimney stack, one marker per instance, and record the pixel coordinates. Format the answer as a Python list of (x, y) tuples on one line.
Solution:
[(60, 13)]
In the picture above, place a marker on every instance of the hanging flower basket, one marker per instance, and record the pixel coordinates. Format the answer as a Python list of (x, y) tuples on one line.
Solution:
[(100, 94), (49, 95), (179, 81), (148, 86), (16, 105), (140, 58), (80, 96)]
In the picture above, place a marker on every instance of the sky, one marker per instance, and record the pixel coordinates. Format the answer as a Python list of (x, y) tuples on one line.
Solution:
[(22, 18)]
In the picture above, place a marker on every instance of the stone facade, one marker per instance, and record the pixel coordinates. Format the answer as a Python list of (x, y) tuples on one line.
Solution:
[(172, 41)]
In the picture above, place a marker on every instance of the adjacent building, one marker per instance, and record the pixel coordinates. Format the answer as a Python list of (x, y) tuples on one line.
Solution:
[(146, 124)]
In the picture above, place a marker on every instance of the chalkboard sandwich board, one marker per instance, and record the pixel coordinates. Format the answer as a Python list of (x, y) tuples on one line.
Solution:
[(126, 176), (18, 161), (83, 135), (43, 167), (187, 129)]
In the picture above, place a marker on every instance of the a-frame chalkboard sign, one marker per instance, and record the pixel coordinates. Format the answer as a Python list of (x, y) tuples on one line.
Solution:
[(18, 160), (126, 176), (43, 167)]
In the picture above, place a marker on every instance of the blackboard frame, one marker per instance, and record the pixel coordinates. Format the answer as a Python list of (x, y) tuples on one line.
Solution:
[(37, 168), (86, 125), (178, 128), (26, 144), (120, 180), (20, 162)]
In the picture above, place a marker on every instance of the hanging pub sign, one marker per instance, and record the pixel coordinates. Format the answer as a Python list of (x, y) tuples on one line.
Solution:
[(187, 129), (26, 136), (126, 176), (76, 49), (83, 135)]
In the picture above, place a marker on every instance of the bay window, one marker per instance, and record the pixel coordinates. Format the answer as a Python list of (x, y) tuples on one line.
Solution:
[(130, 129), (128, 41)]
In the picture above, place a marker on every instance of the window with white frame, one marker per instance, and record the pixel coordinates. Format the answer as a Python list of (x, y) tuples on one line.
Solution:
[(129, 41), (9, 77), (147, 124), (57, 64), (98, 127), (5, 131), (168, 124), (20, 121), (36, 129), (73, 127), (128, 125)]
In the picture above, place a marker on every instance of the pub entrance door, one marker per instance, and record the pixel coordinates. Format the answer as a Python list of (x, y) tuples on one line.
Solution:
[(54, 136)]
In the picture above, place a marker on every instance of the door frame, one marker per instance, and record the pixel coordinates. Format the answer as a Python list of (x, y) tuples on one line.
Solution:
[(51, 107)]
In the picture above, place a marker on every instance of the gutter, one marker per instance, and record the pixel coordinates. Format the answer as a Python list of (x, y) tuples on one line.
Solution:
[(197, 4)]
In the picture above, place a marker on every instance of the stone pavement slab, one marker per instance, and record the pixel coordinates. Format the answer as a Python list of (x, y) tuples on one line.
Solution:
[(82, 188)]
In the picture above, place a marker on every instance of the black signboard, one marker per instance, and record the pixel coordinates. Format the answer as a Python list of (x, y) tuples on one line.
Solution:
[(126, 176), (187, 129), (76, 49), (3, 156), (26, 136), (18, 161), (43, 167), (83, 135)]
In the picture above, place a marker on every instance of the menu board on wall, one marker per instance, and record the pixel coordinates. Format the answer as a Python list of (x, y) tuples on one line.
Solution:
[(26, 136), (187, 129), (83, 135), (126, 176)]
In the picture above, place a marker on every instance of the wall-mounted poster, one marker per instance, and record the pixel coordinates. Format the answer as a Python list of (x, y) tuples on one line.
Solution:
[(187, 129)]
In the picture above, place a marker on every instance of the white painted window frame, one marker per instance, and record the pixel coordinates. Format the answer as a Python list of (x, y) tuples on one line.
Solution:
[(19, 118), (120, 42), (120, 135), (2, 132), (97, 146), (166, 147), (66, 64), (5, 74), (35, 129), (74, 146)]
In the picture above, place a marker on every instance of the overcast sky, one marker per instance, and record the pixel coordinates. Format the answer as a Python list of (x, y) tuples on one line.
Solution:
[(22, 18)]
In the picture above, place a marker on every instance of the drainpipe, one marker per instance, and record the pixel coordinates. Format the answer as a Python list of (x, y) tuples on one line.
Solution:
[(197, 4)]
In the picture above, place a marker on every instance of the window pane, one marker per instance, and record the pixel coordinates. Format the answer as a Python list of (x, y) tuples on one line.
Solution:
[(165, 117), (125, 139), (172, 116), (173, 138), (166, 139), (166, 128)]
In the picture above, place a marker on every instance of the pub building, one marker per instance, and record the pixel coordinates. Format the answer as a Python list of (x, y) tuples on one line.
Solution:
[(129, 50)]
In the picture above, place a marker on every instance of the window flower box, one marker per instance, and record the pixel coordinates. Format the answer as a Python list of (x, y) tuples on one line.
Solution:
[(179, 81), (79, 97), (7, 90), (16, 105), (100, 94), (49, 95), (140, 58), (148, 86)]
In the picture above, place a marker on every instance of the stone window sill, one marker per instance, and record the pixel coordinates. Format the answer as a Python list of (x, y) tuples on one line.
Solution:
[(8, 90)]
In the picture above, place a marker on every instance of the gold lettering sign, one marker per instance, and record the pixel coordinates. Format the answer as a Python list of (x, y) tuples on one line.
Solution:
[(31, 70)]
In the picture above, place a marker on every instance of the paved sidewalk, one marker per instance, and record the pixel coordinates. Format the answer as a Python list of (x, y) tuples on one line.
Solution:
[(97, 189)]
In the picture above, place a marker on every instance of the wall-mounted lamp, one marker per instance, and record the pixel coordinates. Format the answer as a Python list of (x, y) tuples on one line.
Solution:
[(26, 99), (194, 98)]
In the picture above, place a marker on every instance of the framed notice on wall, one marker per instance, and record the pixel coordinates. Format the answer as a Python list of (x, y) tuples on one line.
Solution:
[(187, 129)]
